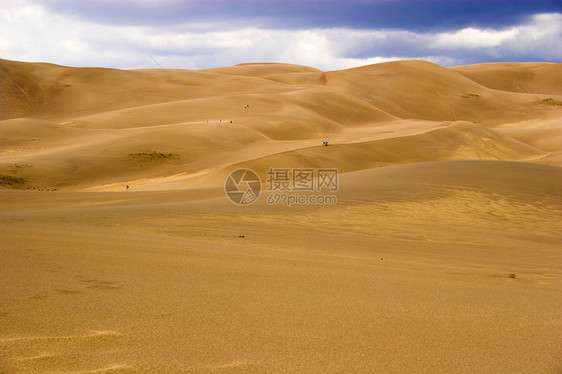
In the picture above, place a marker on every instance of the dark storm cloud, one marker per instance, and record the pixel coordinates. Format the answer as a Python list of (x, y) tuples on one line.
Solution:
[(325, 34), (414, 15)]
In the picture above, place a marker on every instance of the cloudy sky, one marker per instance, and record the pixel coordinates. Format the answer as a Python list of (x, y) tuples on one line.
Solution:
[(326, 34)]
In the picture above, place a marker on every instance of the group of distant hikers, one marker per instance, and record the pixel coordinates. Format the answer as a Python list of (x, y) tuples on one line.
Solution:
[(246, 106)]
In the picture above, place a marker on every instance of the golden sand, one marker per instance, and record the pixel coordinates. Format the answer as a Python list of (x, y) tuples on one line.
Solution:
[(442, 254)]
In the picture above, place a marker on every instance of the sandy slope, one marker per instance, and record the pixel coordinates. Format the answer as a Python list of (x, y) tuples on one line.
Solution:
[(449, 182)]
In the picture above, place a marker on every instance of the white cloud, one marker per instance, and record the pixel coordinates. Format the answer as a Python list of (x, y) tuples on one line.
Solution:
[(31, 33), (540, 37), (472, 38)]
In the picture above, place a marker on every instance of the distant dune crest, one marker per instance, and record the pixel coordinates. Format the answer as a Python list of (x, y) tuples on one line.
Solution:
[(88, 120)]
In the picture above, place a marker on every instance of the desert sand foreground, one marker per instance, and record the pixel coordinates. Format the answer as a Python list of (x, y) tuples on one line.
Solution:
[(442, 254)]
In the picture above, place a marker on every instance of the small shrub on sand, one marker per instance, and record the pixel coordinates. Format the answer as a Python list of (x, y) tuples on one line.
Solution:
[(152, 156), (511, 275), (8, 180), (550, 101)]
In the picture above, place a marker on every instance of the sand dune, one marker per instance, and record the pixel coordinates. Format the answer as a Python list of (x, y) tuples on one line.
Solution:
[(290, 111), (538, 78), (441, 254)]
